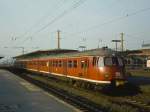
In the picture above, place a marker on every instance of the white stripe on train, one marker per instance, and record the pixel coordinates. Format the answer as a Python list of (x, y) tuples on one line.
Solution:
[(79, 78)]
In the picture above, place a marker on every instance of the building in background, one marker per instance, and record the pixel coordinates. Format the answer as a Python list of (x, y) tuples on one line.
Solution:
[(137, 59)]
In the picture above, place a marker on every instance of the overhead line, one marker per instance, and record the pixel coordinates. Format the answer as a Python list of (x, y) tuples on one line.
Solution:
[(62, 14), (74, 6), (36, 24), (113, 20)]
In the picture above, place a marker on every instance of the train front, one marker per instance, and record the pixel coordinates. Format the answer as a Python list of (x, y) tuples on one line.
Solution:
[(112, 69)]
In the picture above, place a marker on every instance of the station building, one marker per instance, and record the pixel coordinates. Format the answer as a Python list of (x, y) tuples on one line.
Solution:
[(137, 59)]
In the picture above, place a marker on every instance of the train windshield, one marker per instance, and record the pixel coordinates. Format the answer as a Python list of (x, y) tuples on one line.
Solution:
[(113, 61)]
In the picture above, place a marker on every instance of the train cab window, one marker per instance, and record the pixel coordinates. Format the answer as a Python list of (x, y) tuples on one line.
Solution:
[(101, 62), (108, 61), (111, 61)]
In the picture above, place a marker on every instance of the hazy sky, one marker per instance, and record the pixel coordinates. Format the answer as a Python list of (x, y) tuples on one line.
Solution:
[(33, 23)]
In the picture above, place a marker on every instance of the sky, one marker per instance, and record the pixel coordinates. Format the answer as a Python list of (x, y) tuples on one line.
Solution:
[(32, 24)]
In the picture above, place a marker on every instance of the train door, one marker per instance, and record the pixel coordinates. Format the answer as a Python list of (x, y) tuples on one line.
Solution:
[(84, 67), (50, 66), (47, 66), (65, 67)]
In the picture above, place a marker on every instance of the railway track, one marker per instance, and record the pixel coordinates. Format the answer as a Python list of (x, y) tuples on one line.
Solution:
[(142, 107), (137, 100), (82, 103)]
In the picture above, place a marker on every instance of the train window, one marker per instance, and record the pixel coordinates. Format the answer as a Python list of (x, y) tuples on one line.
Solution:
[(40, 63), (108, 61), (56, 63), (53, 63), (43, 63), (70, 64), (60, 63), (84, 64), (101, 62), (50, 63), (95, 61), (75, 63)]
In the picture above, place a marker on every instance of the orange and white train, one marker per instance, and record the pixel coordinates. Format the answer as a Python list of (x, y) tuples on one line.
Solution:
[(100, 67)]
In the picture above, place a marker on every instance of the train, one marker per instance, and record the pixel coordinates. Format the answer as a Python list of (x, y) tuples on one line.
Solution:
[(98, 66)]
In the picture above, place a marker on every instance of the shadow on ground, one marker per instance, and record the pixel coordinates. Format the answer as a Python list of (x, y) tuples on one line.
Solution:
[(139, 80), (128, 89)]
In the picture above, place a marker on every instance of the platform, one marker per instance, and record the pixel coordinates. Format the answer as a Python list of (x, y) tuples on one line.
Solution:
[(18, 95)]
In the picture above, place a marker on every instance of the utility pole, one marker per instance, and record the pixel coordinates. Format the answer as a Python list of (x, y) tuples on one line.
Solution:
[(99, 42), (116, 41), (122, 46), (58, 39)]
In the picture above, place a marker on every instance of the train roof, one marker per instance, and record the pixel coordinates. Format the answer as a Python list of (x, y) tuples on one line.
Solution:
[(72, 53), (42, 53), (93, 52)]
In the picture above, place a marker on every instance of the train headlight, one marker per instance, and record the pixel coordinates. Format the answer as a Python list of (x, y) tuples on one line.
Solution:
[(101, 69), (106, 75)]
